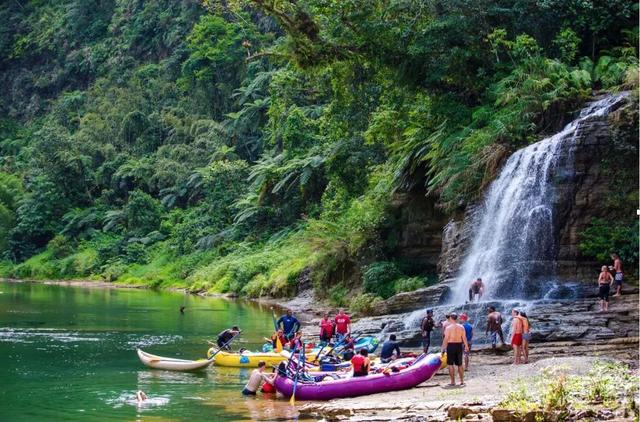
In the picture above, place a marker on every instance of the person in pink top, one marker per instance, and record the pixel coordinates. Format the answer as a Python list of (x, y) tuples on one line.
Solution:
[(343, 325)]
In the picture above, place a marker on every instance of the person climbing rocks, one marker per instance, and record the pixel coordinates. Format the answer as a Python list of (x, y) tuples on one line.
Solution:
[(426, 327), (605, 281), (224, 338), (494, 327), (360, 363), (476, 289), (468, 330), (618, 274), (526, 335), (343, 325), (388, 348), (455, 344), (326, 329), (290, 324), (256, 378), (516, 336)]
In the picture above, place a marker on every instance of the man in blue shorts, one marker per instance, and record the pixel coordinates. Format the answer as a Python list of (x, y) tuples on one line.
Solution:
[(468, 331)]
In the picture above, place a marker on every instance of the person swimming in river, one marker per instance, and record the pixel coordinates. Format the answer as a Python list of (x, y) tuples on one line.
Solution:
[(141, 396), (476, 289)]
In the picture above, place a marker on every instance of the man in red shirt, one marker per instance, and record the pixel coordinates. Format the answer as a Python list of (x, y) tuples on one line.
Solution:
[(343, 325), (326, 329)]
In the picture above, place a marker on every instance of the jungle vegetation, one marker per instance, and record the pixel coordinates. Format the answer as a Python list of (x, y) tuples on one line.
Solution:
[(242, 146)]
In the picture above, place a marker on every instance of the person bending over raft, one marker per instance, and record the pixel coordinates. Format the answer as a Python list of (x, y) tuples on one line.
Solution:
[(225, 337), (476, 288), (605, 281), (455, 344), (256, 378), (290, 324), (361, 363), (388, 347)]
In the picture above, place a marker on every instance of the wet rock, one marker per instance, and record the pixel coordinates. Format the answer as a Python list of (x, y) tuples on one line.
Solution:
[(417, 299)]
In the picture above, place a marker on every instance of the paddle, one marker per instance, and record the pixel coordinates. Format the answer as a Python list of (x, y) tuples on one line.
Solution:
[(292, 401)]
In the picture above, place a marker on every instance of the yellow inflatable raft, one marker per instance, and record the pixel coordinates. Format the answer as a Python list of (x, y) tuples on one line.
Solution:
[(245, 359)]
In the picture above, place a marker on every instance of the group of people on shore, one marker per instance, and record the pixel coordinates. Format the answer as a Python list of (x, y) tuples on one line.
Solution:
[(609, 276)]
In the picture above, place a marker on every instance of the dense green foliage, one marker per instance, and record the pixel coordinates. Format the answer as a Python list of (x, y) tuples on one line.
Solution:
[(244, 146)]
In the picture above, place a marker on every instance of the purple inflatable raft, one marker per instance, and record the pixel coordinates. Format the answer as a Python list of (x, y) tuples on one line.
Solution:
[(420, 371)]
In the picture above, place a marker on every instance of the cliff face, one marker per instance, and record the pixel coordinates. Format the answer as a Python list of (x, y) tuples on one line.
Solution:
[(595, 172)]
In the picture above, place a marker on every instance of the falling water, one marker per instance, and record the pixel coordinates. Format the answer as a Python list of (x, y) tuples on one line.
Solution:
[(513, 242)]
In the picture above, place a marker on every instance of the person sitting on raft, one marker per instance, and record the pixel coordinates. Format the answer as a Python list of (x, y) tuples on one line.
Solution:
[(224, 338), (278, 335), (361, 363), (388, 348), (349, 347), (256, 378), (290, 324), (296, 341), (476, 289)]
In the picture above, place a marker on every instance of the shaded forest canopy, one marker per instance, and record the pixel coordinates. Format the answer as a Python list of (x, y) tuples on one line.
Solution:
[(242, 146)]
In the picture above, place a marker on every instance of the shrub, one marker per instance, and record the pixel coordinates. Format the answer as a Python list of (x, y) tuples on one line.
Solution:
[(408, 284), (602, 238), (365, 304), (379, 278), (60, 246), (338, 295)]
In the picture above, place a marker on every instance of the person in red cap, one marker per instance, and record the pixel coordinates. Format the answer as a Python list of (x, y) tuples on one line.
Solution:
[(468, 331)]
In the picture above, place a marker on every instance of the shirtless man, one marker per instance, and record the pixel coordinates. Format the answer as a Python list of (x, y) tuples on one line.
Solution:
[(516, 336), (605, 281), (618, 274), (476, 288), (256, 378), (444, 324), (455, 343), (494, 326)]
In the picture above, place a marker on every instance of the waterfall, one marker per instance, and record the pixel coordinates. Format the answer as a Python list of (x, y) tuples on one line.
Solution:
[(513, 246)]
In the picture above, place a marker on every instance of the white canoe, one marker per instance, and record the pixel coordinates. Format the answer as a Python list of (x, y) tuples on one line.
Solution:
[(171, 364)]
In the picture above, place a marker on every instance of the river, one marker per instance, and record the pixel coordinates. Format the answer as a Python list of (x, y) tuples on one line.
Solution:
[(68, 353)]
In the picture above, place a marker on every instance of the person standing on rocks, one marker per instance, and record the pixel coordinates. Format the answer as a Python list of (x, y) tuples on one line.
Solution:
[(343, 325), (468, 330), (476, 289), (326, 329), (426, 327), (526, 335), (516, 336), (618, 274), (455, 344), (445, 323), (494, 326), (605, 281)]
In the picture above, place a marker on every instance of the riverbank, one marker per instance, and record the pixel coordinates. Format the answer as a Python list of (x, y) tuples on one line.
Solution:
[(492, 379)]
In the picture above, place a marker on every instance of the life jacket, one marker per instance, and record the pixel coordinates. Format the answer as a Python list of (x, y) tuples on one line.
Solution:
[(360, 365), (268, 388)]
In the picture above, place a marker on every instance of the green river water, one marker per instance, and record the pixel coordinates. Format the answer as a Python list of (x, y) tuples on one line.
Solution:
[(68, 353)]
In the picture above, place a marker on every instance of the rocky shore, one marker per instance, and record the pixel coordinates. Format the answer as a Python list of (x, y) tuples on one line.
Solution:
[(490, 378)]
